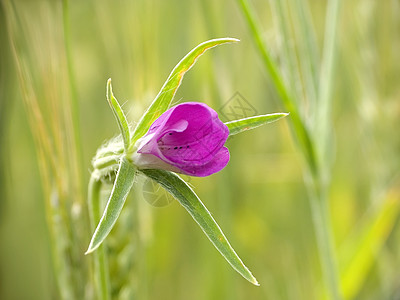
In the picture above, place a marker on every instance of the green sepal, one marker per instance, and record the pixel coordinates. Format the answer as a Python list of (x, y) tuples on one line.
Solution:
[(122, 185), (241, 125), (178, 188), (119, 116), (164, 98)]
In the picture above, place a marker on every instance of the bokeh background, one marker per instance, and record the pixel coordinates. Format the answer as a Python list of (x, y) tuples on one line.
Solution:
[(55, 59)]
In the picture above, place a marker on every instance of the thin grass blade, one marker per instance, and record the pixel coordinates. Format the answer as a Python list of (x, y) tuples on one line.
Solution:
[(119, 115), (309, 51), (360, 251), (189, 200), (171, 85), (300, 129), (122, 185), (326, 83), (238, 126), (289, 56)]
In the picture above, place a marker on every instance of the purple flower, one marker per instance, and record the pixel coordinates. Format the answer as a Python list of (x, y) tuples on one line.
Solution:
[(188, 138)]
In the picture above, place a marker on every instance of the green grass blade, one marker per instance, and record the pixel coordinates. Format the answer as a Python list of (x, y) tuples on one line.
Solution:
[(121, 188), (301, 131), (361, 250), (290, 64), (269, 63), (171, 85), (189, 200), (119, 115), (238, 126), (309, 51), (325, 96), (309, 148)]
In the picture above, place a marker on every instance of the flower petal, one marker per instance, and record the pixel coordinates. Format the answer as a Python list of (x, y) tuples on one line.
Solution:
[(186, 136), (219, 161), (195, 145), (149, 144)]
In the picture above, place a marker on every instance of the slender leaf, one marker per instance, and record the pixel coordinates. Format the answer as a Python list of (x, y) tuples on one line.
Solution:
[(121, 188), (309, 148), (241, 125), (300, 129), (360, 250), (290, 64), (309, 51), (323, 117), (119, 115), (189, 200), (171, 85)]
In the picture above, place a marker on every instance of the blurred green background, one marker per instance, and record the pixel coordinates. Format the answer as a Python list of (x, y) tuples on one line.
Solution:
[(259, 199)]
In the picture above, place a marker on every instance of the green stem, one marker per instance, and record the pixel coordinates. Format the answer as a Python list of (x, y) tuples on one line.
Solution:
[(324, 236), (107, 161), (320, 209), (102, 281)]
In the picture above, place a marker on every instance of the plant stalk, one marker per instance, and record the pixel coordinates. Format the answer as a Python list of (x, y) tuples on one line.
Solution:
[(317, 194)]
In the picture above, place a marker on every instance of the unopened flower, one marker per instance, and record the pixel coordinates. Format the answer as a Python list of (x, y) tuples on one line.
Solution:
[(188, 138)]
